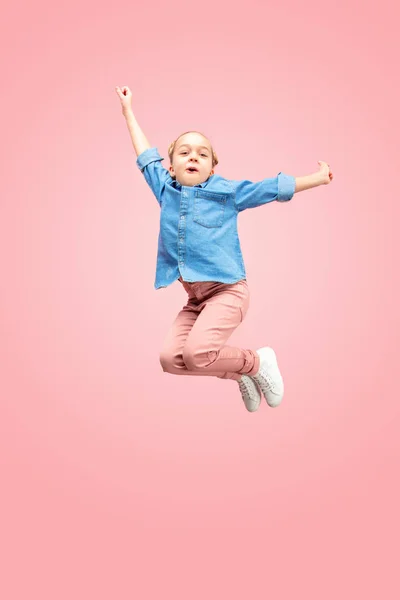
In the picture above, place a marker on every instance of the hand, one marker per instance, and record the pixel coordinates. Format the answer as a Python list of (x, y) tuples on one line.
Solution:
[(325, 172), (125, 95)]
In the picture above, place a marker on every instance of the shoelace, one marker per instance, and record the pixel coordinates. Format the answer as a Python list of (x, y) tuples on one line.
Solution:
[(245, 387), (266, 382)]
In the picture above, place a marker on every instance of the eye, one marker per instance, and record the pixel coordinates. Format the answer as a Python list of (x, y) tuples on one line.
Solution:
[(204, 155)]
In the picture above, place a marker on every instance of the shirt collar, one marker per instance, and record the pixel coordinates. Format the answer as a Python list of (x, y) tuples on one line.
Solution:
[(177, 185)]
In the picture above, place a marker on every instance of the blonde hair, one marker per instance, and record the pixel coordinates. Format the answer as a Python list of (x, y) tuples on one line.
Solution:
[(173, 144)]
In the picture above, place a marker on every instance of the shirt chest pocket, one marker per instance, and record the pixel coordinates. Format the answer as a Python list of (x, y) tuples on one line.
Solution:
[(209, 208)]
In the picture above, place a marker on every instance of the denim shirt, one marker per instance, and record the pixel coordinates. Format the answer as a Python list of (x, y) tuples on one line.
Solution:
[(198, 238)]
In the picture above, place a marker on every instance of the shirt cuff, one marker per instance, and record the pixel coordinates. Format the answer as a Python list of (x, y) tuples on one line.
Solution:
[(286, 187), (148, 156)]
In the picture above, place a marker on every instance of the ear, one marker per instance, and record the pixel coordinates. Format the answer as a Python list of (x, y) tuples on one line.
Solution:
[(171, 170)]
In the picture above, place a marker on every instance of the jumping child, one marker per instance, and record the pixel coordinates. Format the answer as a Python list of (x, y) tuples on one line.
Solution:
[(199, 246)]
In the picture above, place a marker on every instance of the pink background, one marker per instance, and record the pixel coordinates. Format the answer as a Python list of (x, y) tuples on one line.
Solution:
[(120, 481)]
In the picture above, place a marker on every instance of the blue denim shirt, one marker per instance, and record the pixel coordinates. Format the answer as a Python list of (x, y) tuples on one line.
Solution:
[(198, 238)]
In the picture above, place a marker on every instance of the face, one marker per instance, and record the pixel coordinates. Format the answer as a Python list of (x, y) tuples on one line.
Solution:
[(192, 160)]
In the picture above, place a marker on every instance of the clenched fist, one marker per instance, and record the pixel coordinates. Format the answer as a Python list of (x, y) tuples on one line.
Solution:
[(125, 95), (325, 172)]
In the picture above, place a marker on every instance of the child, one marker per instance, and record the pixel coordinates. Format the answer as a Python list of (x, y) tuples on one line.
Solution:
[(198, 245)]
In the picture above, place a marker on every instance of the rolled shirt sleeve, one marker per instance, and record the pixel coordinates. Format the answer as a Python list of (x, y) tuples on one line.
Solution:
[(155, 174), (251, 194)]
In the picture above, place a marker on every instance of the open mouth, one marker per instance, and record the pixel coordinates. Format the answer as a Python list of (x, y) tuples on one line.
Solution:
[(191, 170)]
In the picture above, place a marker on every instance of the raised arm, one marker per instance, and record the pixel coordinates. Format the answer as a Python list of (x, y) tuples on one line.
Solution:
[(139, 140)]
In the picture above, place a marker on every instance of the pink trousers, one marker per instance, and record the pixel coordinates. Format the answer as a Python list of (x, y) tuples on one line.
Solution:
[(196, 341)]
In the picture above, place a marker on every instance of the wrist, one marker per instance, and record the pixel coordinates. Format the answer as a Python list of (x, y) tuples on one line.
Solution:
[(318, 178), (127, 112)]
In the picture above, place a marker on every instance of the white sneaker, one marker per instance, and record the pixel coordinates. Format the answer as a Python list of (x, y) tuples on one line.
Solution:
[(269, 377), (250, 393)]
